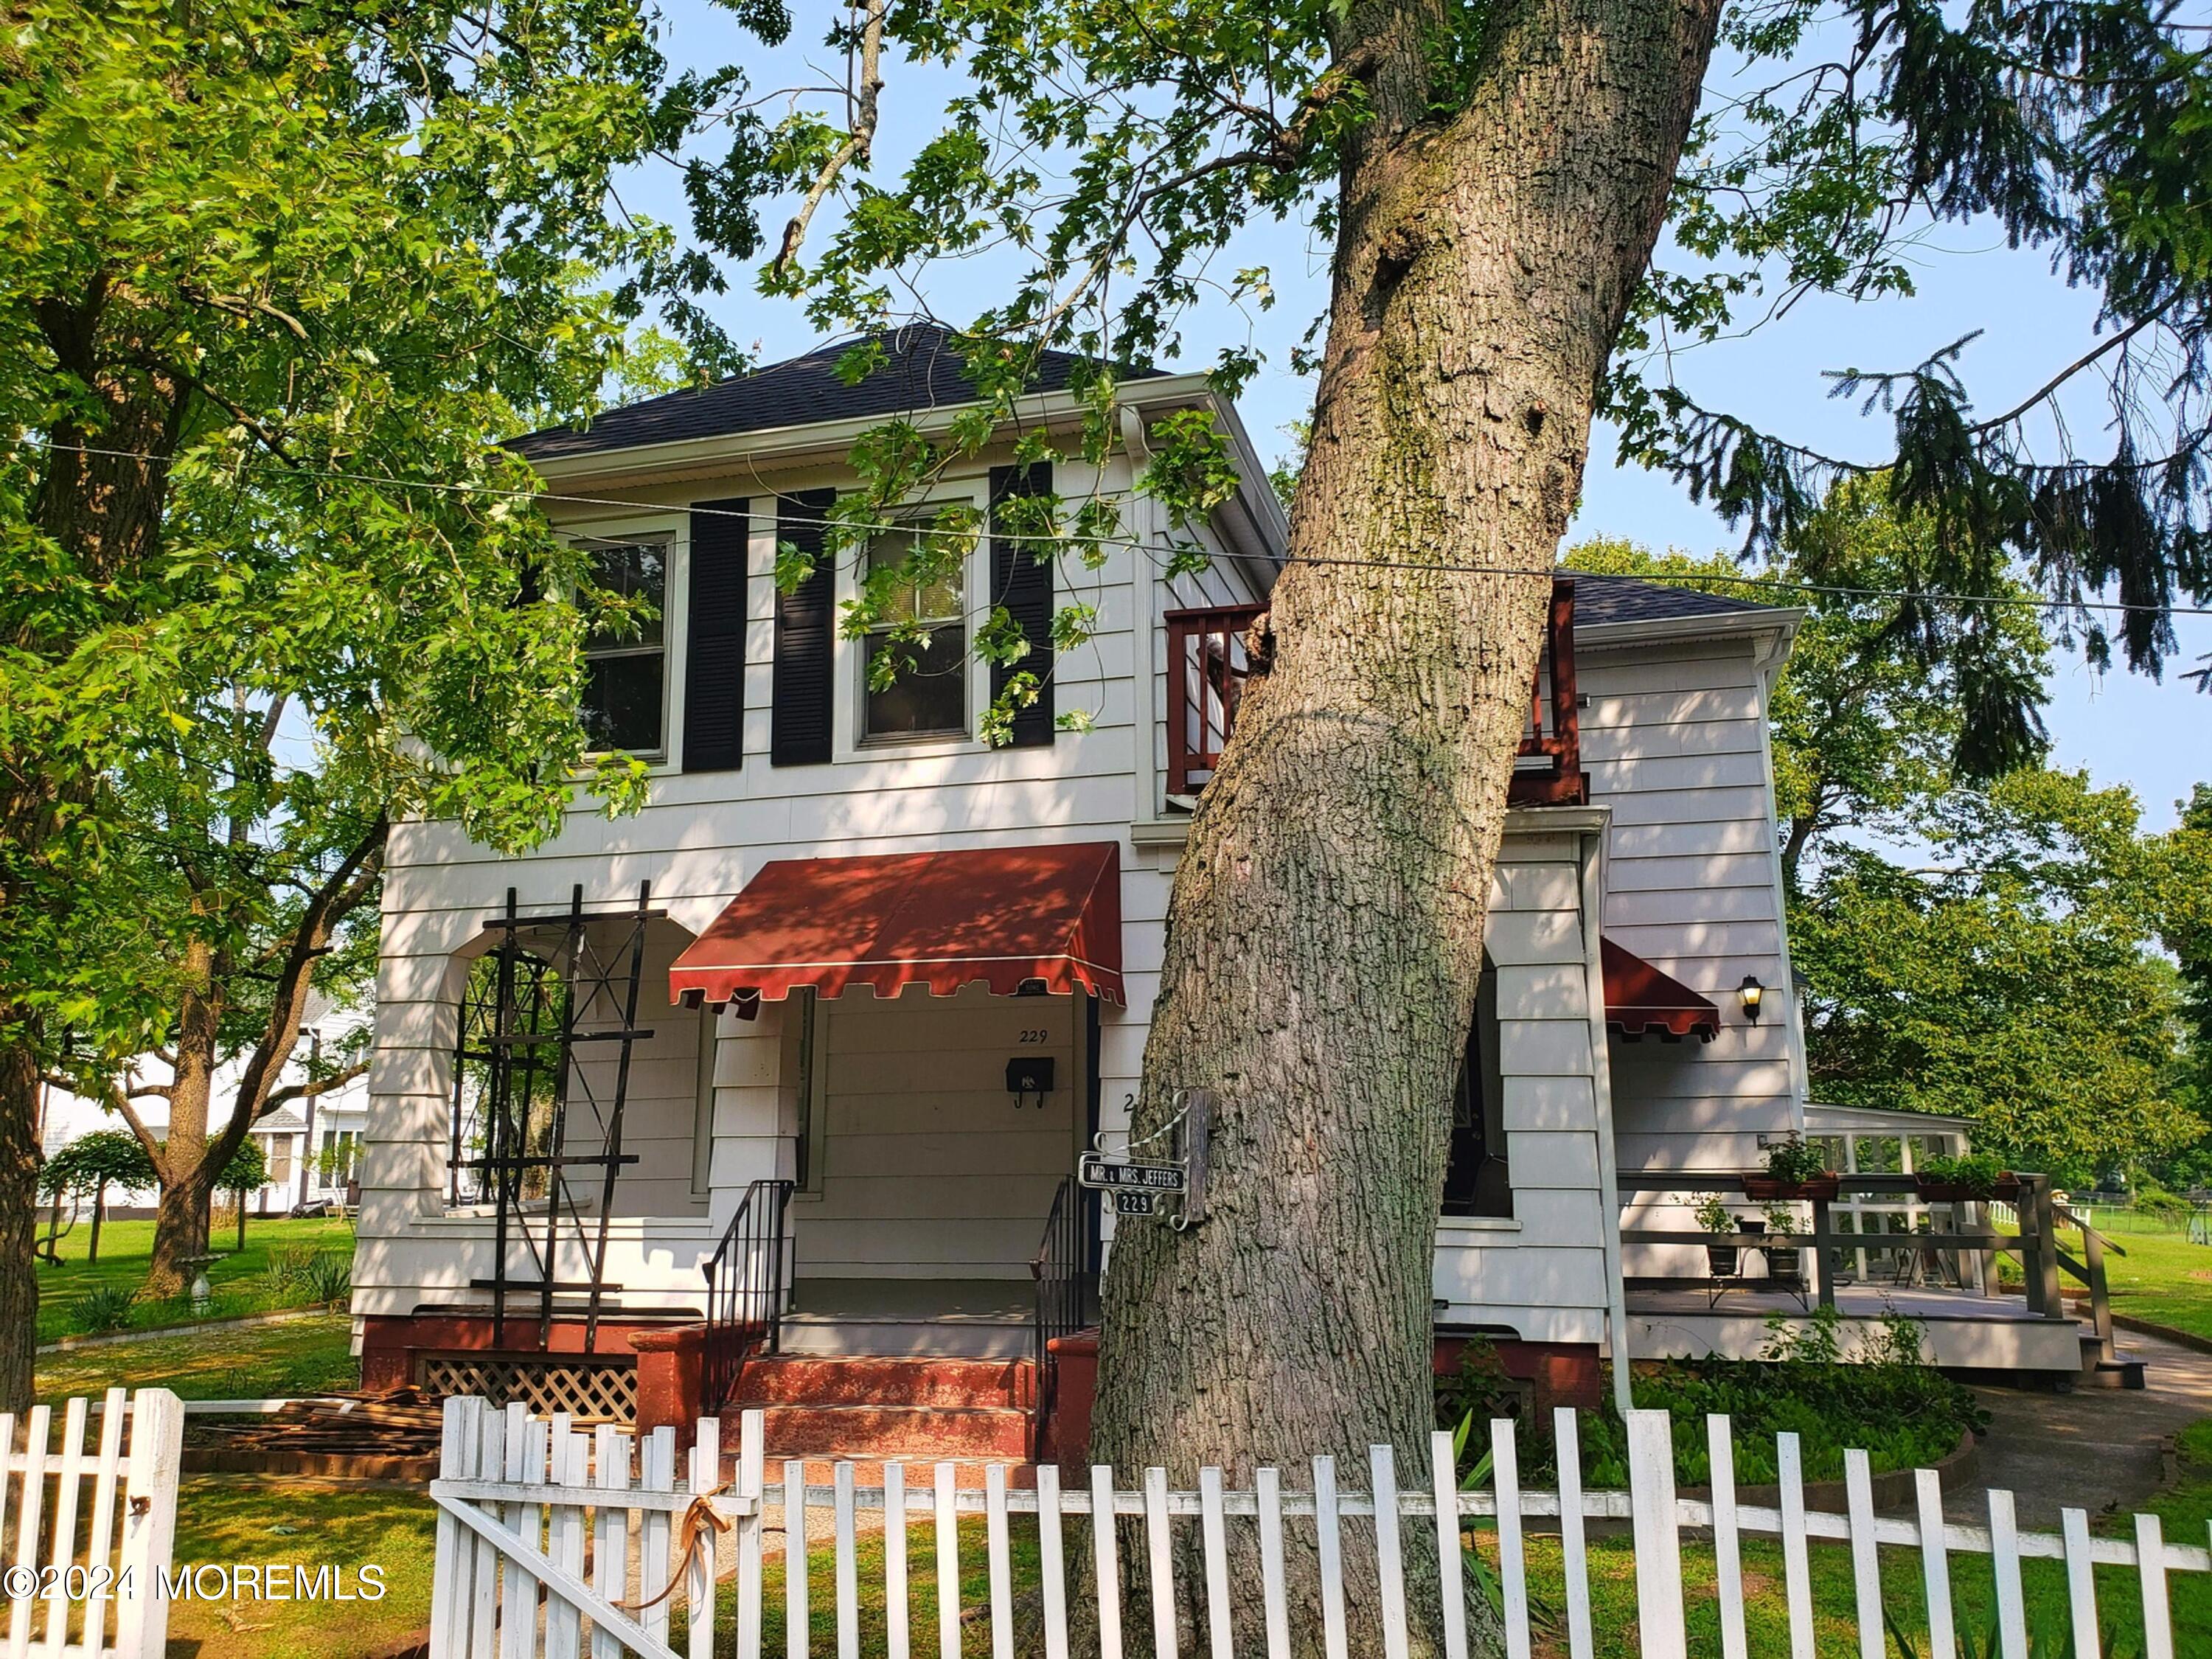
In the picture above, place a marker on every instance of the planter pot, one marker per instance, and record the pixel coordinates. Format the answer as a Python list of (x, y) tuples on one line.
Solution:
[(1721, 1260), (1957, 1192), (1785, 1262), (1765, 1189)]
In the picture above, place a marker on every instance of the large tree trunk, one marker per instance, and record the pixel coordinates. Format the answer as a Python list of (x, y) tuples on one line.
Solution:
[(187, 1164), (1325, 933), (19, 1224)]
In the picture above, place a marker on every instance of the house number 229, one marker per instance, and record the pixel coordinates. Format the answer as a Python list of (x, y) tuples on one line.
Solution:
[(1036, 1036)]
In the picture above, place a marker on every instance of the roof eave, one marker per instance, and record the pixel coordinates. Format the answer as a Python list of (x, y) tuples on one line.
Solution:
[(1773, 629), (614, 468)]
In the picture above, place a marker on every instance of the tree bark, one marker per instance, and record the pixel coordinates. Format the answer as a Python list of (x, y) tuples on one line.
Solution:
[(1325, 933), (19, 1225), (187, 1165)]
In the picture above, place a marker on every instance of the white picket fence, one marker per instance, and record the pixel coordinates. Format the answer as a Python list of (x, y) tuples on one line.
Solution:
[(536, 1523), (88, 1524)]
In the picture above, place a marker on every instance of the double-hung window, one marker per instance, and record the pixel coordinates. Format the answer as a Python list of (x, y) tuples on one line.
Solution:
[(626, 670), (923, 635)]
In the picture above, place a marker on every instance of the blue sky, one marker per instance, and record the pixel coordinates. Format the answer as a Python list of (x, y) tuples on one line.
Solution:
[(2154, 737)]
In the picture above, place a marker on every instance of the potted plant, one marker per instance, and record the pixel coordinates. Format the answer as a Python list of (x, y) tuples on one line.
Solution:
[(1794, 1169), (1973, 1177), (1785, 1263), (1712, 1216)]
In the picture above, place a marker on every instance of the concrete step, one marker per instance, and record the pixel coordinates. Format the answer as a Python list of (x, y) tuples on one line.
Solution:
[(805, 1379), (880, 1431), (950, 1337)]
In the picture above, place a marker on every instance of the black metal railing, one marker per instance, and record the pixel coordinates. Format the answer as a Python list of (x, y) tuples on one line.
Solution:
[(745, 1288), (1066, 1292)]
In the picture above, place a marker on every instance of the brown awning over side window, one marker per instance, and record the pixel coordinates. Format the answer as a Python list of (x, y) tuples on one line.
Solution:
[(1002, 916), (1639, 997)]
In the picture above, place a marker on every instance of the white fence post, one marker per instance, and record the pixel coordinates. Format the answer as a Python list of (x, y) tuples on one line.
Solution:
[(1934, 1565), (1728, 1555), (2150, 1567), (1443, 1481), (752, 1485), (1576, 1562), (1797, 1565), (1658, 1537), (157, 1450)]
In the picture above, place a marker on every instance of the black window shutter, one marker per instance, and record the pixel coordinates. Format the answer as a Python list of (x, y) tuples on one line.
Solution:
[(714, 643), (800, 721), (1023, 583)]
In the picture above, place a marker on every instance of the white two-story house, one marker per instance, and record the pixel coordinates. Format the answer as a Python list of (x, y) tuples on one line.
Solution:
[(826, 1025)]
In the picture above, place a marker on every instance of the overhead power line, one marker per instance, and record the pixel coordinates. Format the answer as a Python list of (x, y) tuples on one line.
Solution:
[(1663, 578)]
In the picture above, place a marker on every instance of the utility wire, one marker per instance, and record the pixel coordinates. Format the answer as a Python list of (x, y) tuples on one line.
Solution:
[(1667, 578)]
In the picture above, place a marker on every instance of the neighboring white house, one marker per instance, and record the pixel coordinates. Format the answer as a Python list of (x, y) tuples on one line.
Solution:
[(289, 1144), (927, 1137)]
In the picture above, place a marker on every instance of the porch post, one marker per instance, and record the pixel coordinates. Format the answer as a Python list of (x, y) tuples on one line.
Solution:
[(1825, 1275)]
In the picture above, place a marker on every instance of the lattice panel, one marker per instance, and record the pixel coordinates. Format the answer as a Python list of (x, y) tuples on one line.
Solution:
[(590, 1392)]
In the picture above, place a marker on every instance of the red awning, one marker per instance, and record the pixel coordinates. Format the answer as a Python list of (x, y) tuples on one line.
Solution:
[(1002, 916), (1639, 997)]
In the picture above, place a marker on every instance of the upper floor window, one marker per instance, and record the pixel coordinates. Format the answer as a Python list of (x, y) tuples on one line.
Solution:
[(626, 671), (920, 689)]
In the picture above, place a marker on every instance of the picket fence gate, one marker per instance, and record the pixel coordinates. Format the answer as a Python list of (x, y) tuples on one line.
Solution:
[(537, 1520), (80, 1572)]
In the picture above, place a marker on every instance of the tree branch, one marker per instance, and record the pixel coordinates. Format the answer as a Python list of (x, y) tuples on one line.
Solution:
[(342, 889), (858, 142), (292, 1092)]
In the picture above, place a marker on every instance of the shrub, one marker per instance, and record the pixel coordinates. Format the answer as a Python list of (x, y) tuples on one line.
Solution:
[(285, 1280), (103, 1307), (329, 1279)]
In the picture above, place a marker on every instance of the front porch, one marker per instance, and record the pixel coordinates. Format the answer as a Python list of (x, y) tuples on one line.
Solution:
[(1735, 1295)]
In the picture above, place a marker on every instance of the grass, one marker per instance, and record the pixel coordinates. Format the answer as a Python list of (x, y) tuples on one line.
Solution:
[(2167, 1280), (255, 1362), (234, 1522), (126, 1249)]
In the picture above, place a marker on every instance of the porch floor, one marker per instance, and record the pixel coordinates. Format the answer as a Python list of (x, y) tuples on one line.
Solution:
[(1961, 1330), (951, 1318)]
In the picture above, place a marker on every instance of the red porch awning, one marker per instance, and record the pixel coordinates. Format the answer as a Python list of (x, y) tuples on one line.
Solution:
[(1639, 997), (1002, 916)]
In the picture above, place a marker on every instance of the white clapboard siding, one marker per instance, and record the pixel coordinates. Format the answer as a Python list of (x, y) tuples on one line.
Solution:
[(512, 1576), (93, 1514)]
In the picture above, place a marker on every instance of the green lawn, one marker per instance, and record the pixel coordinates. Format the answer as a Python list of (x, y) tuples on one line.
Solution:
[(2167, 1280), (126, 1247), (254, 1362), (232, 1520)]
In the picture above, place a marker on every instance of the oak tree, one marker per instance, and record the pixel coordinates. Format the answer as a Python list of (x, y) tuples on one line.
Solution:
[(1491, 182)]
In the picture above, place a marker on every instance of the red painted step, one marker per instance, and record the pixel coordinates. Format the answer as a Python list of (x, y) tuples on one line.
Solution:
[(816, 1380), (908, 1431)]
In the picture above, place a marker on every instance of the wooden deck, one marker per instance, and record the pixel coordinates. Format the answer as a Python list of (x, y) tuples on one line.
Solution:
[(1961, 1330)]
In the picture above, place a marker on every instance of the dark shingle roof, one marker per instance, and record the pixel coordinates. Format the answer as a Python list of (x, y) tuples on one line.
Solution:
[(1602, 599), (924, 372)]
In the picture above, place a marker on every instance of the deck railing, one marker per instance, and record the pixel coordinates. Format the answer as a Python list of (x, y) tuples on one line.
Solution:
[(2045, 1264), (1211, 656)]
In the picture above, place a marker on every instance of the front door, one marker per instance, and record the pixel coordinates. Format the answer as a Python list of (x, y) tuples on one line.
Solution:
[(920, 1161)]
